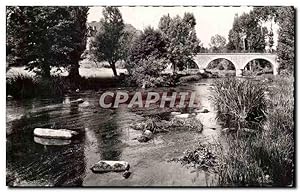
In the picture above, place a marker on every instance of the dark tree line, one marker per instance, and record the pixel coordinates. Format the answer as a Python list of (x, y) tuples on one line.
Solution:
[(44, 37)]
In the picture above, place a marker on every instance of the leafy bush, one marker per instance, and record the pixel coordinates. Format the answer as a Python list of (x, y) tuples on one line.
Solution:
[(146, 72)]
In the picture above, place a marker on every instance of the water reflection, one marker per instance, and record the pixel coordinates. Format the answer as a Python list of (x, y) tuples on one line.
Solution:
[(46, 141)]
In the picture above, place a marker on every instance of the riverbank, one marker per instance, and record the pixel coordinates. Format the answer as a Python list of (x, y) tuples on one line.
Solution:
[(22, 84), (261, 132)]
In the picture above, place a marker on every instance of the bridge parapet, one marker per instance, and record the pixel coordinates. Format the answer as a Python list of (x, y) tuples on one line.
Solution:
[(239, 60)]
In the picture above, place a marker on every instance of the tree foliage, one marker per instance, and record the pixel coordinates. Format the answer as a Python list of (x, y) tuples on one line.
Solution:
[(149, 44), (217, 44), (107, 45), (247, 34), (45, 37), (130, 35), (147, 57), (286, 39), (182, 41), (285, 18)]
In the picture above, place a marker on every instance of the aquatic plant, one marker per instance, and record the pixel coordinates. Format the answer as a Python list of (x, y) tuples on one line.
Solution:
[(157, 125), (240, 103)]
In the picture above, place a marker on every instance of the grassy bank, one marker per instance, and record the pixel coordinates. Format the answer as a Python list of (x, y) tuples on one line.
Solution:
[(260, 149), (26, 86)]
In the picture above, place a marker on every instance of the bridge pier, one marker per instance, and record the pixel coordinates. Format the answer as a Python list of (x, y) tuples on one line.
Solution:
[(239, 72), (275, 70)]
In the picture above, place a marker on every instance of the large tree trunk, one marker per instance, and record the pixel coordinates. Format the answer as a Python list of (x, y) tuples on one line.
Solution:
[(113, 67), (45, 71), (74, 72)]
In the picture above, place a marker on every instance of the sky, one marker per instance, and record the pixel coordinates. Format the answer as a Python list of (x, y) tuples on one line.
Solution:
[(210, 20)]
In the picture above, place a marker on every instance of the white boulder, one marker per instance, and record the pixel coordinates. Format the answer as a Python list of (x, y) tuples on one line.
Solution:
[(183, 116), (147, 133), (175, 113), (77, 101), (54, 133)]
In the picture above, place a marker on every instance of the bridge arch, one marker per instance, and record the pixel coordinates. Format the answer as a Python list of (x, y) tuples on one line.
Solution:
[(220, 58), (272, 62)]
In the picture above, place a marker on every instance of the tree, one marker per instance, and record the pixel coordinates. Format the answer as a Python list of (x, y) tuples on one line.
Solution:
[(150, 43), (182, 41), (108, 41), (28, 40), (285, 18), (247, 34), (147, 57), (78, 38), (130, 35), (286, 39), (44, 37), (217, 44)]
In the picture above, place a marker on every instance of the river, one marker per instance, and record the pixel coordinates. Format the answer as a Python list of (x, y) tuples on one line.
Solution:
[(106, 135)]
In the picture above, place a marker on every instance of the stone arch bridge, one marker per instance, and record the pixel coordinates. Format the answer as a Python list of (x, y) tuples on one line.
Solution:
[(239, 60)]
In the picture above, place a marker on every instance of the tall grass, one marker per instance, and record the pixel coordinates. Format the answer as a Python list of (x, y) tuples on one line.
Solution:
[(266, 157), (26, 86), (240, 103), (21, 86)]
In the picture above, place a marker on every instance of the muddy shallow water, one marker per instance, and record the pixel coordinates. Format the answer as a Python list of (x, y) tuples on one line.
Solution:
[(105, 135)]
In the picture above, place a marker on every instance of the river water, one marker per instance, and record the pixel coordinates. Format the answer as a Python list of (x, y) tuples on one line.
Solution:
[(105, 135)]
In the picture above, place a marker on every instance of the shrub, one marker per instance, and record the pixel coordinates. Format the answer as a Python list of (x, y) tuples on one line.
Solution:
[(146, 72)]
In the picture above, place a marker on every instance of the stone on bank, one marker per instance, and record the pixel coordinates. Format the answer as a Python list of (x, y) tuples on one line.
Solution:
[(110, 166)]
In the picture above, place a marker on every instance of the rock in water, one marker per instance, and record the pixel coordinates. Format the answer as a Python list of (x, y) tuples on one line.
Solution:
[(77, 101), (108, 166), (147, 133), (175, 113), (183, 116), (126, 174), (54, 133), (143, 138)]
